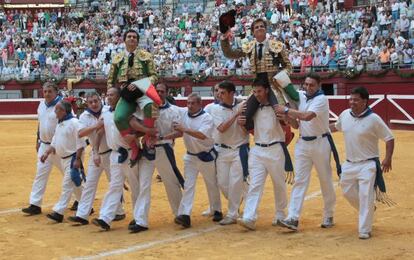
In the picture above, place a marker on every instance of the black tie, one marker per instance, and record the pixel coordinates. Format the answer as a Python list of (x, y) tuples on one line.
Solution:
[(260, 51), (131, 60)]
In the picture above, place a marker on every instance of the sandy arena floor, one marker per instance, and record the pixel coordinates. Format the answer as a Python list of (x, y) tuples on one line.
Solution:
[(36, 237)]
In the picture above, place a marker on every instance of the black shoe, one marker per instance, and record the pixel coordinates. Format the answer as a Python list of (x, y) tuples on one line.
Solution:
[(137, 228), (92, 211), (119, 217), (217, 216), (100, 223), (291, 224), (55, 216), (132, 223), (158, 178), (183, 220), (32, 210), (74, 206), (78, 220)]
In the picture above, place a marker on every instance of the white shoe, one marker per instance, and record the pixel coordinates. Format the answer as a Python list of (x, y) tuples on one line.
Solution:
[(365, 235), (249, 224), (207, 213), (227, 221)]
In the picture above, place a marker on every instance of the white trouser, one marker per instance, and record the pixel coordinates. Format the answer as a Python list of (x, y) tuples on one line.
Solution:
[(357, 183), (308, 153), (263, 161), (170, 181), (230, 178), (91, 184), (42, 174), (142, 205), (119, 172), (68, 187), (192, 166)]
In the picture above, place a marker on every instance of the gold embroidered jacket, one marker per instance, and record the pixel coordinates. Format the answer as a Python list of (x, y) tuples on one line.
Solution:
[(143, 67)]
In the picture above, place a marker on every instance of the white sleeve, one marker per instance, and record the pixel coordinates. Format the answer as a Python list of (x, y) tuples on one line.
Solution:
[(338, 124), (80, 142), (382, 130), (207, 126), (319, 106), (83, 121)]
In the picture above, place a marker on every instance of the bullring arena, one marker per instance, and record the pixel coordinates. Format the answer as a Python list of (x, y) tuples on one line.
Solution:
[(37, 237)]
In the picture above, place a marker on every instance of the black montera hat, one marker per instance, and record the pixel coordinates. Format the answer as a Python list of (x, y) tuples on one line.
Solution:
[(227, 21)]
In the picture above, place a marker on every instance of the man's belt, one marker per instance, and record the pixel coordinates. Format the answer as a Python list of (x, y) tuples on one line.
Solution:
[(311, 138), (66, 157), (267, 145), (227, 146), (43, 142), (110, 150)]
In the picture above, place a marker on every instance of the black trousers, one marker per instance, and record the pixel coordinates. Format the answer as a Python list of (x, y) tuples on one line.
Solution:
[(252, 105)]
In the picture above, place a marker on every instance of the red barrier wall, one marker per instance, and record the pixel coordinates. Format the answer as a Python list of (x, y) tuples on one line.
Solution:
[(396, 110)]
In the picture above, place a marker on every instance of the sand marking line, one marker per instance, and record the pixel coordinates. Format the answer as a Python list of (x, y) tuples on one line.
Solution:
[(142, 246)]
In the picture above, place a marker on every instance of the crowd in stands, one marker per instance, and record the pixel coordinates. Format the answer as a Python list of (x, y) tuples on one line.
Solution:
[(322, 37)]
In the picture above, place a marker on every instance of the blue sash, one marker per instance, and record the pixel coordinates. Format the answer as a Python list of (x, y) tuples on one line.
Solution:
[(169, 151), (206, 156), (123, 155), (244, 156), (77, 175), (148, 153)]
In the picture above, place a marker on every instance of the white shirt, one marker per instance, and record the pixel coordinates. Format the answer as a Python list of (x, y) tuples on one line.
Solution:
[(202, 123), (268, 129), (112, 135), (164, 123), (66, 140), (86, 119), (47, 122), (234, 136), (362, 134), (320, 106)]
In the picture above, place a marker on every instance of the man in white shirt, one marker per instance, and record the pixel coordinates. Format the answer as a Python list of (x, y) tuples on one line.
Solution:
[(232, 145), (164, 160), (67, 145), (119, 168), (312, 150), (268, 156), (361, 179), (98, 158), (46, 129), (197, 128)]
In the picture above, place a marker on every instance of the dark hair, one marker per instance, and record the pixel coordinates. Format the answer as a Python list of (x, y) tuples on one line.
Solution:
[(117, 90), (361, 91), (261, 80), (162, 84), (50, 84), (81, 93), (131, 31), (227, 85), (196, 96), (314, 75), (259, 20), (66, 106), (93, 94)]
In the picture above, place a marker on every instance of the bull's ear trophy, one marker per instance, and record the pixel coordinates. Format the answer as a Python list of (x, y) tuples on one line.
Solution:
[(227, 21)]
